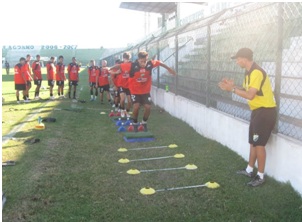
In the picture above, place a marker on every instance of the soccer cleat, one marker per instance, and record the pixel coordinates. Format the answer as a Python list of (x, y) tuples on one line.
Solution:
[(145, 127), (74, 100), (243, 172), (122, 113), (27, 101), (91, 99), (113, 105), (135, 127), (52, 98), (37, 98), (18, 102), (257, 181)]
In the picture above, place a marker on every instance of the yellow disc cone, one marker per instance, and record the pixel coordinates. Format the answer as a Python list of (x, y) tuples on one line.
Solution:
[(133, 171), (212, 185), (122, 150), (191, 167), (179, 155), (40, 126), (102, 113), (172, 146), (123, 160), (147, 191)]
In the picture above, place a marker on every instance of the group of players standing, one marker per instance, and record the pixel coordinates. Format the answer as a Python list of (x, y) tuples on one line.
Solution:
[(131, 81)]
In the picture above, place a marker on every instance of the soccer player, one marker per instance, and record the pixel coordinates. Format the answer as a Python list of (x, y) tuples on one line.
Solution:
[(103, 81), (92, 73), (140, 81), (116, 85), (36, 68), (28, 77), (20, 79), (73, 77), (60, 76), (50, 67), (258, 91)]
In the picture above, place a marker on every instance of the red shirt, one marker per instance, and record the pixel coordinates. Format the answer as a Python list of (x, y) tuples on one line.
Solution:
[(140, 79), (19, 71), (50, 71), (92, 72), (28, 72), (103, 77), (124, 75), (73, 71), (60, 70), (115, 78), (36, 67)]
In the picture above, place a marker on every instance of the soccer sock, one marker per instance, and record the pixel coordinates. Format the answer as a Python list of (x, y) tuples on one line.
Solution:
[(24, 97), (96, 92), (249, 169), (35, 93), (69, 94), (144, 122), (145, 119), (91, 92), (134, 121), (51, 94), (18, 99), (261, 175), (74, 94)]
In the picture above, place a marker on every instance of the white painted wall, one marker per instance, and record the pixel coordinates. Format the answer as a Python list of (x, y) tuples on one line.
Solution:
[(284, 154)]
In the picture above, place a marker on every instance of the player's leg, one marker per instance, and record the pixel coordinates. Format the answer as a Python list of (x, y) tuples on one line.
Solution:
[(129, 104), (74, 90), (18, 96), (101, 94), (136, 107), (96, 91), (69, 89), (108, 94), (91, 91)]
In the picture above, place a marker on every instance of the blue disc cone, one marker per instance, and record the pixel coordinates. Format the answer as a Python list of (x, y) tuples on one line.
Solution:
[(127, 123), (118, 123), (121, 129)]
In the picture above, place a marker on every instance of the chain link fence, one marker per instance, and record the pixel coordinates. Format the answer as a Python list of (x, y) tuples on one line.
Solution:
[(200, 52)]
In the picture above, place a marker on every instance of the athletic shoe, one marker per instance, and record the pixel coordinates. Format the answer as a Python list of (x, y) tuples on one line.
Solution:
[(18, 102), (27, 101), (145, 127), (128, 115), (52, 98), (37, 98), (91, 99), (257, 181), (243, 172), (113, 105), (122, 113), (74, 100)]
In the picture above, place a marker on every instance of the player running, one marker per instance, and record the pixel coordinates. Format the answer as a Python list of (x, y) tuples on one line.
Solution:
[(50, 67), (60, 77), (140, 81), (36, 68), (103, 81), (73, 77), (20, 79), (92, 73)]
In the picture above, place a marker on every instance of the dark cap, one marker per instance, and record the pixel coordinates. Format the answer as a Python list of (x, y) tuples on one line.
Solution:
[(244, 53)]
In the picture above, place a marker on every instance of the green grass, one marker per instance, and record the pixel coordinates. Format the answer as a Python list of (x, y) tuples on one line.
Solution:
[(73, 174)]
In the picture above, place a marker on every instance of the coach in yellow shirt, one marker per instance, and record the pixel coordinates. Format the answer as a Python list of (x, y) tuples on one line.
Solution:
[(258, 91)]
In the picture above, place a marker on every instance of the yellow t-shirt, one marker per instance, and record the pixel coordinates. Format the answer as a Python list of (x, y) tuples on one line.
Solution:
[(264, 97)]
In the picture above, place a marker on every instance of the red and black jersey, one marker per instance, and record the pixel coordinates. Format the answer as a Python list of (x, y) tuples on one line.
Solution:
[(73, 71), (36, 68), (50, 71), (124, 76), (93, 72), (28, 72), (60, 70), (20, 71), (140, 79), (103, 77)]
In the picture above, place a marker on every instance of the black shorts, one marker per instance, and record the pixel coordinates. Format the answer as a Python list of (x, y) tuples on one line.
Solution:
[(141, 99), (60, 83), (38, 82), (116, 93), (261, 125), (28, 83), (104, 88), (124, 90), (91, 84), (51, 82), (20, 86), (73, 83)]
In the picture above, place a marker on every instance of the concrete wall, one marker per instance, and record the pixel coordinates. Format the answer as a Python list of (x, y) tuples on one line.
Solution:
[(284, 155)]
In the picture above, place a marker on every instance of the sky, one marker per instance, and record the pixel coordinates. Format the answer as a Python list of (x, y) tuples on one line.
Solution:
[(86, 23)]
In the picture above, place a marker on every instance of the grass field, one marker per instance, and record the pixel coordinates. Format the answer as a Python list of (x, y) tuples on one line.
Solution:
[(73, 173)]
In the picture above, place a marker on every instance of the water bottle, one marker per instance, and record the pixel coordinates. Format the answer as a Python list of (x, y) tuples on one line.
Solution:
[(167, 88)]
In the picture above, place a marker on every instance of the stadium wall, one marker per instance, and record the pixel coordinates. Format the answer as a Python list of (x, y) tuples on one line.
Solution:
[(283, 153)]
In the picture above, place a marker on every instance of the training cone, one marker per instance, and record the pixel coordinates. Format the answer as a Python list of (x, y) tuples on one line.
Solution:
[(121, 129), (141, 128), (128, 122), (118, 114), (212, 185), (191, 167), (123, 160), (102, 113), (179, 155), (40, 126), (172, 146), (121, 150), (111, 113), (130, 128), (133, 172), (147, 191), (119, 122)]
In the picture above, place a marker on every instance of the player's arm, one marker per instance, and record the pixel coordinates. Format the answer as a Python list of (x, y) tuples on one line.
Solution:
[(115, 67), (68, 72), (170, 70), (228, 85)]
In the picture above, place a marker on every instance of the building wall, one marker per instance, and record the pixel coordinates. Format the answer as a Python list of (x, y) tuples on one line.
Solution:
[(283, 153)]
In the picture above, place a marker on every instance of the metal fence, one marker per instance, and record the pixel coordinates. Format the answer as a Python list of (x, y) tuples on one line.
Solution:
[(200, 53)]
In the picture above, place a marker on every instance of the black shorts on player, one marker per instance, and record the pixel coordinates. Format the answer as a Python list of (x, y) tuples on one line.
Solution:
[(20, 86), (28, 83), (60, 83), (116, 93), (73, 83), (92, 84), (124, 90), (141, 99), (51, 82), (38, 82), (261, 125), (104, 88)]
